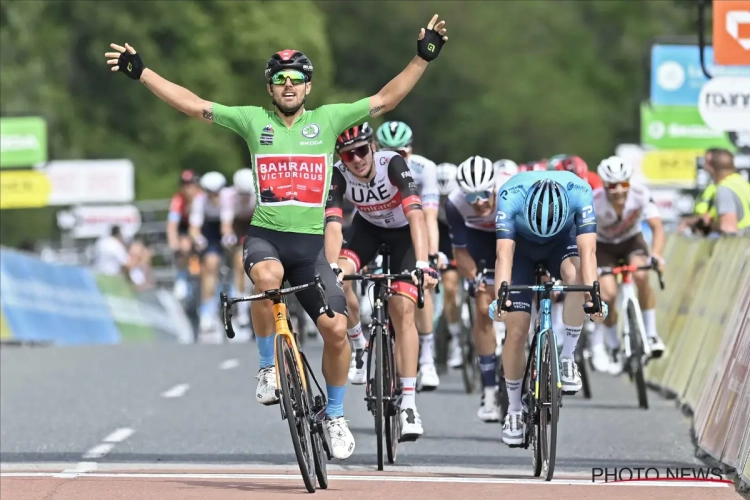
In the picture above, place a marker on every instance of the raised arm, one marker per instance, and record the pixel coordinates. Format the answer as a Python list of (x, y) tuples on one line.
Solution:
[(129, 62), (429, 44)]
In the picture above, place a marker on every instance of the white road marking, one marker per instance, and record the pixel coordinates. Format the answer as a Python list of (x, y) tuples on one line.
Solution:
[(99, 450), (229, 364), (119, 435), (375, 477), (176, 392), (80, 467)]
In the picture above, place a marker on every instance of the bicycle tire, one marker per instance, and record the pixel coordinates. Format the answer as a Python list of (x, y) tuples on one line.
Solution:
[(290, 387), (470, 371), (379, 403), (533, 415), (319, 453), (442, 345), (550, 393), (635, 362), (392, 420), (502, 391), (583, 368)]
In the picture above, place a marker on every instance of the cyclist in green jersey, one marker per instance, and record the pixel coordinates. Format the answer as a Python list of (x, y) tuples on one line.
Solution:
[(292, 156)]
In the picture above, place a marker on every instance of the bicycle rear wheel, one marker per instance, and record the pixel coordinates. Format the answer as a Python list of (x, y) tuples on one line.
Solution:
[(470, 371), (549, 395), (390, 384), (635, 363), (296, 410), (583, 367), (502, 391)]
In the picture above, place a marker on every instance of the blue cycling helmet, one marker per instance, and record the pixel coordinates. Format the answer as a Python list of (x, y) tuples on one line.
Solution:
[(546, 207)]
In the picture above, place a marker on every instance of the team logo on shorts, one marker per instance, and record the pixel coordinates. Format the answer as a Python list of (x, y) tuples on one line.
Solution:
[(311, 130)]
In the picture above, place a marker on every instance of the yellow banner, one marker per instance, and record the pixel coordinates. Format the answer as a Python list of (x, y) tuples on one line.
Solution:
[(24, 189), (671, 166)]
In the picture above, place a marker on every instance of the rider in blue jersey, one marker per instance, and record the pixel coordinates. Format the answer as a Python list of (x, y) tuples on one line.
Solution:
[(546, 218)]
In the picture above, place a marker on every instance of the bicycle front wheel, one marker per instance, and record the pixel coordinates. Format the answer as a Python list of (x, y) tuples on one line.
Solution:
[(379, 401), (296, 409), (635, 363), (390, 392), (549, 395)]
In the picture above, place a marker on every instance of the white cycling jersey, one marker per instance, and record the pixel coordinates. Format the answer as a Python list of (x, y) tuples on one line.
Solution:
[(243, 205), (613, 229), (458, 202), (425, 175), (203, 210), (384, 201)]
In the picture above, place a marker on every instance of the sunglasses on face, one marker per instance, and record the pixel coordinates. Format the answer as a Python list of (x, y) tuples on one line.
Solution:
[(617, 186), (296, 77), (360, 152), (472, 198)]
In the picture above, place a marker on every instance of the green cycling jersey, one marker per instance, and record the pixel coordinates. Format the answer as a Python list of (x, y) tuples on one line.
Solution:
[(291, 165)]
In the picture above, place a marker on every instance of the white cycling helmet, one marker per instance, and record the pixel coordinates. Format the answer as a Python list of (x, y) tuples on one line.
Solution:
[(213, 182), (446, 176), (507, 167), (243, 181), (476, 174), (614, 169)]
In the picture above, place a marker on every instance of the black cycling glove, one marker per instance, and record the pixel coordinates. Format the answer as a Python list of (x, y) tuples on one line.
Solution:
[(428, 48), (131, 65)]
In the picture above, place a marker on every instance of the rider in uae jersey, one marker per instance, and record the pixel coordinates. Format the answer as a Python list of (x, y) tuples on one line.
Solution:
[(243, 205), (385, 200), (292, 166), (425, 175), (512, 220), (611, 228)]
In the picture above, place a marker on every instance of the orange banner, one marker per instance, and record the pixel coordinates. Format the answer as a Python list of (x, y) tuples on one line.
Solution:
[(731, 36)]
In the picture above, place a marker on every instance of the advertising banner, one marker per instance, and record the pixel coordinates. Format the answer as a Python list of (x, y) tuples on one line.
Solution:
[(44, 302), (93, 221), (166, 316), (731, 33), (69, 183), (679, 127), (724, 103), (676, 74), (676, 168), (23, 141), (125, 308)]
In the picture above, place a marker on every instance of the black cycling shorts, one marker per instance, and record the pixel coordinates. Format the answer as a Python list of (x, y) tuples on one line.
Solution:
[(444, 244), (302, 256), (362, 241)]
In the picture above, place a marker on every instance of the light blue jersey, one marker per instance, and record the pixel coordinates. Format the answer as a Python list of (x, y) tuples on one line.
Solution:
[(512, 221)]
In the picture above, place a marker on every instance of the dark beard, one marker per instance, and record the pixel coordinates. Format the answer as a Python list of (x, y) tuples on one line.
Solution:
[(289, 111)]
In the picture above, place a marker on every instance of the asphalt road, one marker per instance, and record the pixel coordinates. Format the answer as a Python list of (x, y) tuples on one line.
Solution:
[(58, 404)]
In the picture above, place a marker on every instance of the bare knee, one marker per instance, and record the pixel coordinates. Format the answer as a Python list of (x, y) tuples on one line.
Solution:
[(267, 275), (401, 310), (333, 330), (608, 289), (517, 328), (570, 271)]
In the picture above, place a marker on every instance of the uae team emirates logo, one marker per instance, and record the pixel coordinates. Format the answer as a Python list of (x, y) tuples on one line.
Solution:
[(291, 179)]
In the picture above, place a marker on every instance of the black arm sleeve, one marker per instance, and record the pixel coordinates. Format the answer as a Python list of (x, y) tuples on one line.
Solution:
[(400, 176), (335, 203)]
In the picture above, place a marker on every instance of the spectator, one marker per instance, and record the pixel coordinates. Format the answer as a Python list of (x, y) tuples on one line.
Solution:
[(141, 272), (732, 195), (705, 211), (110, 255)]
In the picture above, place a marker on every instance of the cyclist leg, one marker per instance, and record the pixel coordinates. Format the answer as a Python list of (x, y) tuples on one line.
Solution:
[(210, 262), (639, 252), (263, 266), (607, 255), (240, 278), (425, 321), (517, 326), (184, 246), (304, 257), (563, 260), (360, 246), (481, 247), (403, 312), (449, 284)]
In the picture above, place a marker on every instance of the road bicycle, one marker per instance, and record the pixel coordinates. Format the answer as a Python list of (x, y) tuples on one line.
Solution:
[(382, 390), (303, 409), (634, 342), (542, 387)]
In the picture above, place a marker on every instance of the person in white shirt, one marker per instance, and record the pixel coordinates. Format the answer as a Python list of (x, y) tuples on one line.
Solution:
[(111, 255)]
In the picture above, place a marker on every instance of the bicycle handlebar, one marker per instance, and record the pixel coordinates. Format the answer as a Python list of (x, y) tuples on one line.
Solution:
[(275, 294), (505, 289), (605, 271), (393, 277)]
